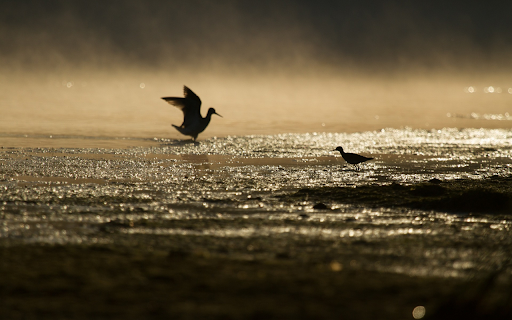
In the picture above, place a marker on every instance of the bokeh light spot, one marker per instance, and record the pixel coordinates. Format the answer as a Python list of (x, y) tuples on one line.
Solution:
[(336, 266), (469, 89), (418, 312)]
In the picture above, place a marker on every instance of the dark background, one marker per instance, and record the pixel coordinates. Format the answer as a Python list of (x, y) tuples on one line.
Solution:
[(371, 36)]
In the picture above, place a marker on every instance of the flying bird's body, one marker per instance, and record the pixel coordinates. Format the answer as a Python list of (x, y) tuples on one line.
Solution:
[(193, 123), (352, 158)]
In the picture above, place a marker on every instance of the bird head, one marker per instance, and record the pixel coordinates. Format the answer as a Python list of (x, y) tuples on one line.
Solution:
[(340, 149), (212, 111)]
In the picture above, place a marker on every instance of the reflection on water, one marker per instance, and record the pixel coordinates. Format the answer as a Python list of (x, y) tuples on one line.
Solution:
[(226, 188)]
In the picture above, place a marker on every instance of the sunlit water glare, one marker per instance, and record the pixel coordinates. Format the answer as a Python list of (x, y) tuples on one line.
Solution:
[(225, 189)]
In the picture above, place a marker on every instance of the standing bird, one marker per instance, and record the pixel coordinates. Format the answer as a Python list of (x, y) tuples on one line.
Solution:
[(352, 158), (193, 123)]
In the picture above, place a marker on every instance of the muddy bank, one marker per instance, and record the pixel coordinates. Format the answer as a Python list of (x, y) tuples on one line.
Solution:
[(492, 195), (116, 282)]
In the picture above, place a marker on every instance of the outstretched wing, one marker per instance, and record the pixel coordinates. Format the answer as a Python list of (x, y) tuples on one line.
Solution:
[(190, 105), (192, 97)]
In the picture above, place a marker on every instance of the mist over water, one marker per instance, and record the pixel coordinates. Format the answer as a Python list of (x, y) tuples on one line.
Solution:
[(129, 104), (235, 35), (92, 69)]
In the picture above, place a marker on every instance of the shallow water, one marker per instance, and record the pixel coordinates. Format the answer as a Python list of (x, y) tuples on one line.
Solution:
[(225, 190)]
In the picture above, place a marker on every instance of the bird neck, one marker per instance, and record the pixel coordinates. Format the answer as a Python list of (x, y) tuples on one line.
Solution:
[(207, 119)]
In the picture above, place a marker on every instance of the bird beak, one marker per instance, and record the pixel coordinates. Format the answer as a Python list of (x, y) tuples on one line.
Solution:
[(218, 114)]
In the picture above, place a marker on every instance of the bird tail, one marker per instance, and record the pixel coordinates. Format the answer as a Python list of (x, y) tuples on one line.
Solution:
[(180, 129)]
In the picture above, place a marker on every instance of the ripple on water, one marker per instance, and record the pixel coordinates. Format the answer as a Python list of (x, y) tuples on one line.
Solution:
[(227, 189)]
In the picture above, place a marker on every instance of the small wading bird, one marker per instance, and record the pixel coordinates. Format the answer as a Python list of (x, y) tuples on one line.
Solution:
[(193, 123), (352, 158)]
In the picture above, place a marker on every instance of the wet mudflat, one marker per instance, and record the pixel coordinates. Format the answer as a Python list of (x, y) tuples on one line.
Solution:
[(260, 227)]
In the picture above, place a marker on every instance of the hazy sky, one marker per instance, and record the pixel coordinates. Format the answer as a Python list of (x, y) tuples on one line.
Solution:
[(363, 35)]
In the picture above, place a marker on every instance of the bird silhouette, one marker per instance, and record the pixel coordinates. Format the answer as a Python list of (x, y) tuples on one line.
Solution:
[(352, 158), (193, 123)]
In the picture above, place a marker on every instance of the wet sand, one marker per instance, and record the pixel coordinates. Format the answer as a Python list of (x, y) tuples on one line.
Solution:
[(260, 227)]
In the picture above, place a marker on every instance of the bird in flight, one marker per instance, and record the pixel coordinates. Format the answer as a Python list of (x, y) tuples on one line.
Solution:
[(193, 123), (352, 158)]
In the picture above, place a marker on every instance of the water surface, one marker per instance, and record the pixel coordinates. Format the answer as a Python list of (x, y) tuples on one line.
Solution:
[(227, 188)]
